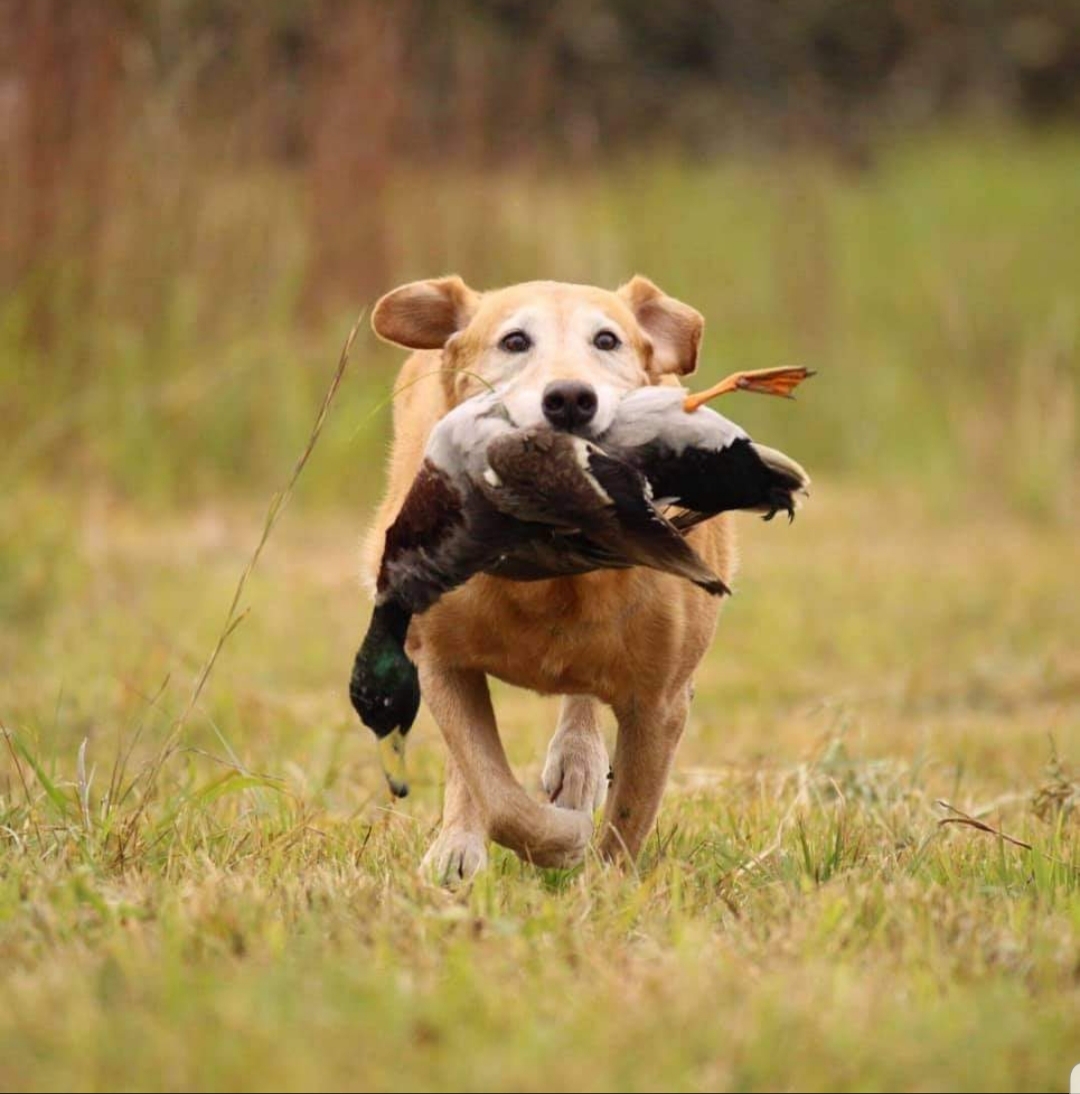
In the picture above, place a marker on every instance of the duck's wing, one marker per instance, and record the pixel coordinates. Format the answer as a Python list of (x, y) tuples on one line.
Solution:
[(701, 462), (446, 530), (597, 505), (548, 553), (459, 519), (444, 533), (643, 535)]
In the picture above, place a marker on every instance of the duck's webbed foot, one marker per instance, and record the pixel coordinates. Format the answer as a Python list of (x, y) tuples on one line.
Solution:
[(763, 381), (781, 502)]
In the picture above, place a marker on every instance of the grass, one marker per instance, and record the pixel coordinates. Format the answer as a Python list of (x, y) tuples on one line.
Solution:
[(217, 894), (801, 920)]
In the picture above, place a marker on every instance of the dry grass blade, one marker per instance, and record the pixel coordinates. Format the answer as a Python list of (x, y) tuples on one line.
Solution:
[(960, 817), (83, 781), (1060, 793), (6, 734), (234, 616), (388, 401)]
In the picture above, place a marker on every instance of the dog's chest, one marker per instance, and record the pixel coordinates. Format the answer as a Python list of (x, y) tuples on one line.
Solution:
[(569, 636)]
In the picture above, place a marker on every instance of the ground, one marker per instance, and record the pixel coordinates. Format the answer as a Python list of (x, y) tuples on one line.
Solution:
[(224, 897)]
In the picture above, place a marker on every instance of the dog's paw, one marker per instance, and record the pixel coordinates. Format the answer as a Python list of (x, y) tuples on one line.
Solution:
[(454, 858), (576, 771), (562, 838)]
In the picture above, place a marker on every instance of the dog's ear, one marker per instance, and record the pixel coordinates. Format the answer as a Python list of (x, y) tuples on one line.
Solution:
[(674, 328), (424, 314)]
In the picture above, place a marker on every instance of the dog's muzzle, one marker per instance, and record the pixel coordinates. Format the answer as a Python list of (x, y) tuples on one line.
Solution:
[(569, 404)]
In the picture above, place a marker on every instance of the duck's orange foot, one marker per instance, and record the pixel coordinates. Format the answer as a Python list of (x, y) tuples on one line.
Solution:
[(763, 381)]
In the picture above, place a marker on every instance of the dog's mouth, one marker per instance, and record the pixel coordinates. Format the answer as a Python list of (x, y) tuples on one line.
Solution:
[(587, 432), (579, 407)]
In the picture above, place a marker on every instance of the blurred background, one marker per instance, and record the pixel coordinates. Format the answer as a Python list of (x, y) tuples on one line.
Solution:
[(199, 195), (206, 887)]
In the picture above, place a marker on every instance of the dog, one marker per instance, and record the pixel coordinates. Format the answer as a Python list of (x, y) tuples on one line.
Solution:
[(630, 639)]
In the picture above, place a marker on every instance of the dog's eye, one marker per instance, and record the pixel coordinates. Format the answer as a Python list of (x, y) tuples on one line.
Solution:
[(607, 340), (517, 341)]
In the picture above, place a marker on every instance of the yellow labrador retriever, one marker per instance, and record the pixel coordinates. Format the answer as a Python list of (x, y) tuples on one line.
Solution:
[(627, 638)]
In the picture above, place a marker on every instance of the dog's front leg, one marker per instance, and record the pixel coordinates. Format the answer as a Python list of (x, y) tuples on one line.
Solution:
[(461, 704), (576, 770), (460, 849), (649, 733)]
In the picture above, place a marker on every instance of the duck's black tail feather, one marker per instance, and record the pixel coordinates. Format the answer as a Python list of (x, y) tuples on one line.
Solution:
[(740, 476), (640, 533)]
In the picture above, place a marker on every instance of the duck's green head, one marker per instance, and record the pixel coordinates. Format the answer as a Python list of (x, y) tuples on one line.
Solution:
[(385, 690)]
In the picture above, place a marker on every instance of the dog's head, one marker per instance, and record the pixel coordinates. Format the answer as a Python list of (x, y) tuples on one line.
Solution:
[(556, 353)]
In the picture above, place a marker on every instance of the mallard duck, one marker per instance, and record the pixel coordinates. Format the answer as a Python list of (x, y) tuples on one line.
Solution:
[(538, 503)]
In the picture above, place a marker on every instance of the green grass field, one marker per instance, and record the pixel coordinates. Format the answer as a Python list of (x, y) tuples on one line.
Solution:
[(219, 895)]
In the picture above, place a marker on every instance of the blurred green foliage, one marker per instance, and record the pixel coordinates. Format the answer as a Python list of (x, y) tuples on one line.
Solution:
[(199, 195), (937, 295)]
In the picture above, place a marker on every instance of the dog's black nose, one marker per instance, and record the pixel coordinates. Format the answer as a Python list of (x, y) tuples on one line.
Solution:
[(569, 403)]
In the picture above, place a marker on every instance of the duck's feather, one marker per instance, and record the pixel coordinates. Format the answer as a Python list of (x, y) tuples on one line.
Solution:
[(701, 462), (538, 503), (553, 554), (444, 533), (602, 502)]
